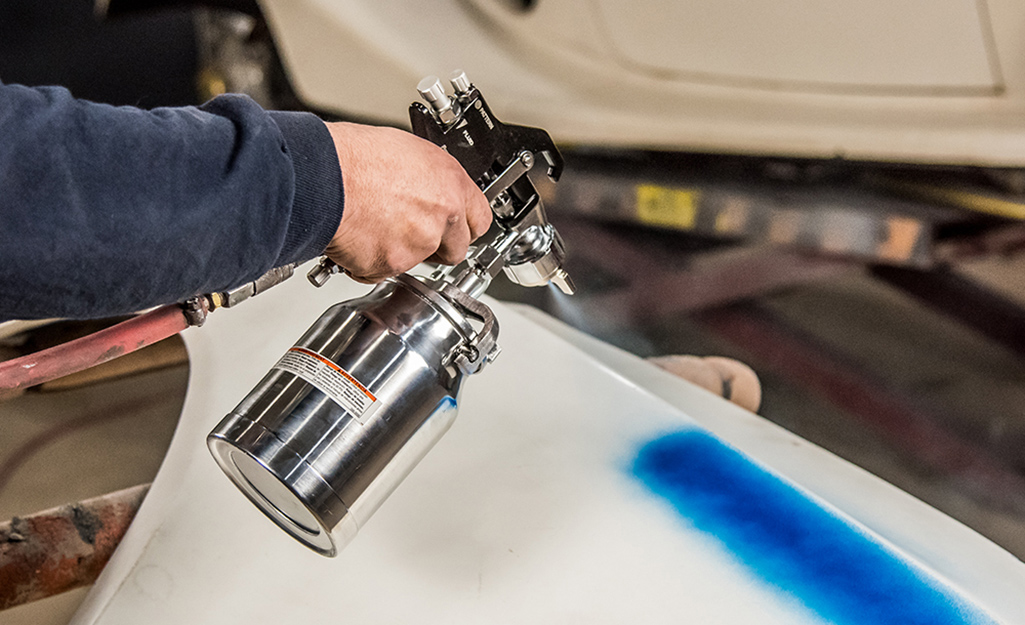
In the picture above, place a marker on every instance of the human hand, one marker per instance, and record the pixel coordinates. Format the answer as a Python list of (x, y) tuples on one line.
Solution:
[(406, 200), (726, 377)]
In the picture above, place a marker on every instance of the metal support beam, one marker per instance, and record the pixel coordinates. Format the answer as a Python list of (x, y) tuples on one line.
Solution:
[(840, 213), (663, 282), (964, 300)]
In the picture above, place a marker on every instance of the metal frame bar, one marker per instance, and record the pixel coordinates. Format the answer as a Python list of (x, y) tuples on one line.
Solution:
[(63, 548)]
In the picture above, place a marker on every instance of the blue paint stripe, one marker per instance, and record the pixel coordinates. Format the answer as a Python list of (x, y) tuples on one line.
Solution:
[(789, 541)]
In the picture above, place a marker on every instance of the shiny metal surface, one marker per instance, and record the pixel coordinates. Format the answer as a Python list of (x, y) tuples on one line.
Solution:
[(537, 259), (318, 470), (349, 410), (272, 278), (433, 93), (322, 271), (519, 166), (460, 83)]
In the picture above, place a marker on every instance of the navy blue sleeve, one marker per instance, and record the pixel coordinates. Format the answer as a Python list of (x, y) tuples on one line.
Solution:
[(107, 210)]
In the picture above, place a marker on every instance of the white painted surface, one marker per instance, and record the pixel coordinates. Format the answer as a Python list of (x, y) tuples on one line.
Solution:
[(940, 543), (802, 43), (908, 80), (524, 512)]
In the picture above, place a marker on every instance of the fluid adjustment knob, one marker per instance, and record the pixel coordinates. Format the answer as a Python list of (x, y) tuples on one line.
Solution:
[(434, 94)]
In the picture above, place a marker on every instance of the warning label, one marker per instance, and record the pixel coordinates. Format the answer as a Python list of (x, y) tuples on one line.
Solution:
[(329, 378)]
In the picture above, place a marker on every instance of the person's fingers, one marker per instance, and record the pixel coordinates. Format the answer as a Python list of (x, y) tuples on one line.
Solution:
[(740, 380), (406, 200), (690, 368), (728, 378), (478, 215), (454, 243)]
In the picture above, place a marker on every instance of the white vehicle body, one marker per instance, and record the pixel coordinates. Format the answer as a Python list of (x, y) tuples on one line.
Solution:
[(920, 81), (532, 510)]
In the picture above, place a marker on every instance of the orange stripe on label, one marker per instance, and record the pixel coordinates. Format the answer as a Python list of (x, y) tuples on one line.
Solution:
[(343, 372)]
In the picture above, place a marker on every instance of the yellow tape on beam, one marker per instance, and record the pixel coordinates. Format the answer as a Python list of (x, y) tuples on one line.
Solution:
[(963, 199), (666, 207)]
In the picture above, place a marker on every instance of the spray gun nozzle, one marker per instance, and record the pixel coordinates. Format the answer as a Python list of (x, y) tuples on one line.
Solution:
[(564, 282)]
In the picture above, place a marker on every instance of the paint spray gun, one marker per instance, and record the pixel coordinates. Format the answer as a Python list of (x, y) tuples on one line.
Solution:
[(368, 390)]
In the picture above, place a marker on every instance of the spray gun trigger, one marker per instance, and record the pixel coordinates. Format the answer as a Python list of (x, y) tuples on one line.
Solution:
[(520, 165)]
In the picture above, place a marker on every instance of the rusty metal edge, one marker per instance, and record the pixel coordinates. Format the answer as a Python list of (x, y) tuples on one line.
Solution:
[(56, 550)]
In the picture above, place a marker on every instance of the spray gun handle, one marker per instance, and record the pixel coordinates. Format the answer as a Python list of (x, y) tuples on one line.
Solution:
[(498, 157)]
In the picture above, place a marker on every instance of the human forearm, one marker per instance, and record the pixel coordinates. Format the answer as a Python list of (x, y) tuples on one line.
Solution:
[(104, 210)]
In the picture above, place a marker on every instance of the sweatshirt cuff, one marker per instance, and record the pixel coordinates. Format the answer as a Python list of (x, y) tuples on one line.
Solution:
[(319, 198)]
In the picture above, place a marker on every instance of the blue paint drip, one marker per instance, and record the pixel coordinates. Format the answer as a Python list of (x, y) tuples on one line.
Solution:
[(791, 542)]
